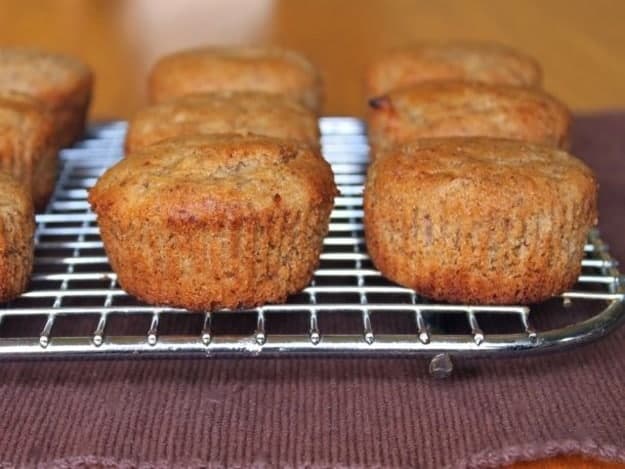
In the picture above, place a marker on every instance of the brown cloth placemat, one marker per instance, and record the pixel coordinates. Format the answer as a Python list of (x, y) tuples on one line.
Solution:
[(332, 412)]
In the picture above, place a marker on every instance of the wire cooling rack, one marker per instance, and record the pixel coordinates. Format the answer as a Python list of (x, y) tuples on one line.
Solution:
[(75, 307)]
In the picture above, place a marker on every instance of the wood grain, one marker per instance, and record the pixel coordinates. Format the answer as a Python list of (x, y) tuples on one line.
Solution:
[(579, 42)]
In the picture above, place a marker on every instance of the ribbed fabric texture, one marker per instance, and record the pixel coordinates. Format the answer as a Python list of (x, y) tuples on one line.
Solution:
[(330, 412)]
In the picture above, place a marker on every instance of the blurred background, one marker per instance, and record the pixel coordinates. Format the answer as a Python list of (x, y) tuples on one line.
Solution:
[(580, 43)]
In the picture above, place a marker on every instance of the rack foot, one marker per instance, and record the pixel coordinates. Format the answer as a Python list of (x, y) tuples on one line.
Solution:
[(441, 366)]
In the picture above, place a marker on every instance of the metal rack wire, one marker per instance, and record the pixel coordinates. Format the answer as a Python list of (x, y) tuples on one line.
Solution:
[(75, 307)]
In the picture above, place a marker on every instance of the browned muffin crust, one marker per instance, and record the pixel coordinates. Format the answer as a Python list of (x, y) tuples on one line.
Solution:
[(62, 83), (479, 220), (215, 221), (17, 228), (467, 109), (469, 61), (27, 145), (270, 69), (240, 112)]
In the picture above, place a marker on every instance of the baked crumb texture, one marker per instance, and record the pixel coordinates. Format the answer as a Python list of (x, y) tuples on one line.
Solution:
[(208, 69), (61, 83), (240, 112), (215, 221), (17, 228), (465, 109), (468, 61), (479, 220), (28, 148)]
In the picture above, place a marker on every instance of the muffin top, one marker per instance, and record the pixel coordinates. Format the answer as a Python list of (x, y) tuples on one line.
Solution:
[(458, 108), (484, 62), (483, 176), (26, 130), (214, 179), (240, 112), (56, 79), (272, 70)]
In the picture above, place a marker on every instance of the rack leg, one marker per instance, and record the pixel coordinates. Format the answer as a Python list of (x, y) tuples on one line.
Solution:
[(441, 366)]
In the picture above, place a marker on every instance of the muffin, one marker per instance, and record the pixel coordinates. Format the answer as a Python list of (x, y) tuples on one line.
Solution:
[(467, 109), (63, 84), (28, 150), (17, 228), (271, 70), (483, 62), (240, 112), (479, 220), (215, 221)]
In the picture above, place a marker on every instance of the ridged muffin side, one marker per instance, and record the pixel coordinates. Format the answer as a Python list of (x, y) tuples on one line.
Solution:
[(267, 69), (467, 109), (479, 220), (28, 148), (468, 61), (221, 221), (17, 229), (240, 112), (62, 83)]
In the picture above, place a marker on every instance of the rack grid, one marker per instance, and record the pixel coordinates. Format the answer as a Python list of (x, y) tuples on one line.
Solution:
[(74, 306)]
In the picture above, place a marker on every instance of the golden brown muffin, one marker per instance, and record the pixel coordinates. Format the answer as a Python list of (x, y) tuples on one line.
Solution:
[(467, 109), (215, 221), (483, 62), (27, 145), (271, 70), (479, 220), (62, 83), (17, 228), (237, 112)]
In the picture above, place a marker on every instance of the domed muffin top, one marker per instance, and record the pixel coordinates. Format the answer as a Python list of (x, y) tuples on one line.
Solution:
[(269, 69), (474, 61), (54, 78), (240, 112), (484, 175), (213, 178)]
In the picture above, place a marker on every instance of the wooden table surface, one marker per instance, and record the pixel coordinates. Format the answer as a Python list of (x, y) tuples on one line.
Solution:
[(581, 44)]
